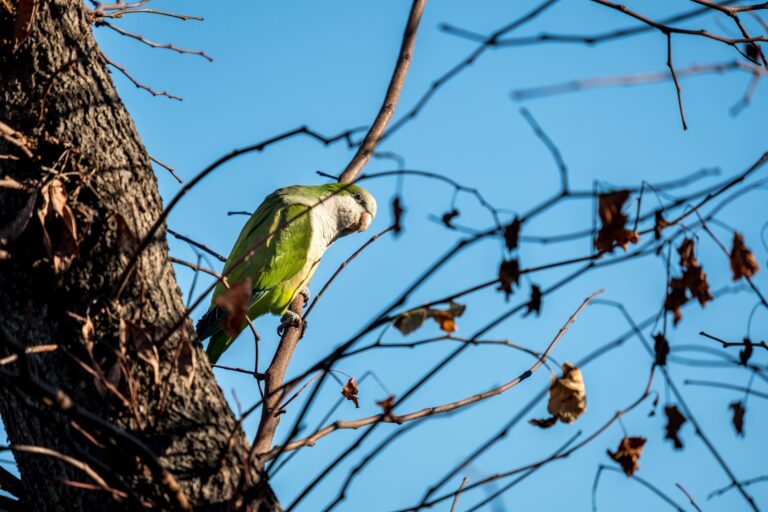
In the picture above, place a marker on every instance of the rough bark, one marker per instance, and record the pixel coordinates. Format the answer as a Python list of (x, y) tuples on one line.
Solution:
[(55, 89)]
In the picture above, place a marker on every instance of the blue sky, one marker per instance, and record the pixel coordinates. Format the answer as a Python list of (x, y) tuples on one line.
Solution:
[(280, 65)]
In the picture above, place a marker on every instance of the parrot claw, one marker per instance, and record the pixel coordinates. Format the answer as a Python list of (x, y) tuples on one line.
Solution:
[(305, 295), (288, 320)]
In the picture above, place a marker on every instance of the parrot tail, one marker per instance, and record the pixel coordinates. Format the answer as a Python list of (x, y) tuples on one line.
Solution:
[(218, 344), (210, 323), (209, 326)]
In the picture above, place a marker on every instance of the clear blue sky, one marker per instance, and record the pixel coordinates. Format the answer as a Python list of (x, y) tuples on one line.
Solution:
[(279, 65)]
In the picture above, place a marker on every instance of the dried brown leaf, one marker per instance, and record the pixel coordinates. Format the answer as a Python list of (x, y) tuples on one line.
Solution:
[(746, 353), (411, 320), (612, 231), (509, 275), (59, 226), (659, 225), (687, 251), (743, 262), (676, 298), (738, 410), (512, 234), (235, 302), (534, 303), (675, 420), (628, 454), (696, 281), (350, 390), (23, 20), (543, 423), (660, 348), (446, 319), (567, 395)]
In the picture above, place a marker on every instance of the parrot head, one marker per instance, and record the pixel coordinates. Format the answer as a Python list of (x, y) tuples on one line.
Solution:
[(353, 206)]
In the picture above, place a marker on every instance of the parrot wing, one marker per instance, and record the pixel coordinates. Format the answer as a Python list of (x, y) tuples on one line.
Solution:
[(279, 235)]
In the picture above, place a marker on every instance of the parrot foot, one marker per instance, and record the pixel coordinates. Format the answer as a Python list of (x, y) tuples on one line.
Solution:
[(304, 292), (288, 320)]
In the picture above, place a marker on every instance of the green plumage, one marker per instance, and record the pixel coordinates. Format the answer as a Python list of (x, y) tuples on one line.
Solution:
[(278, 237)]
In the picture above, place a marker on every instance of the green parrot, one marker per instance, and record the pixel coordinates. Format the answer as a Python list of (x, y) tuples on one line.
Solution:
[(299, 223)]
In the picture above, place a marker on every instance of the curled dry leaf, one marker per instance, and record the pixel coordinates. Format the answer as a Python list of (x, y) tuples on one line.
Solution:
[(350, 390), (543, 423), (446, 319), (660, 348), (738, 410), (448, 217), (512, 234), (675, 420), (746, 352), (534, 303), (59, 226), (235, 301), (509, 275), (628, 454), (743, 262), (411, 320), (567, 395), (612, 221)]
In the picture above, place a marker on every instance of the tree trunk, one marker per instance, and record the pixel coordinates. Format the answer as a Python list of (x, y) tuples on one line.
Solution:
[(94, 195)]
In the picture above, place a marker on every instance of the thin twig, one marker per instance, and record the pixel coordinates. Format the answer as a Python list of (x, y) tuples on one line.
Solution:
[(389, 104)]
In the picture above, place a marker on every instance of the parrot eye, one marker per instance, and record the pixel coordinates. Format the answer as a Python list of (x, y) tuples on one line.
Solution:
[(358, 197)]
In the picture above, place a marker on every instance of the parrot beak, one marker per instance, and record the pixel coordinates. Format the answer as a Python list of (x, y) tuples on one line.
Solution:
[(365, 221)]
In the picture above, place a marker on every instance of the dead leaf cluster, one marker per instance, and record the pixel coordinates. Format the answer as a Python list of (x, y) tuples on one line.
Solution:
[(412, 320), (613, 220), (693, 281)]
